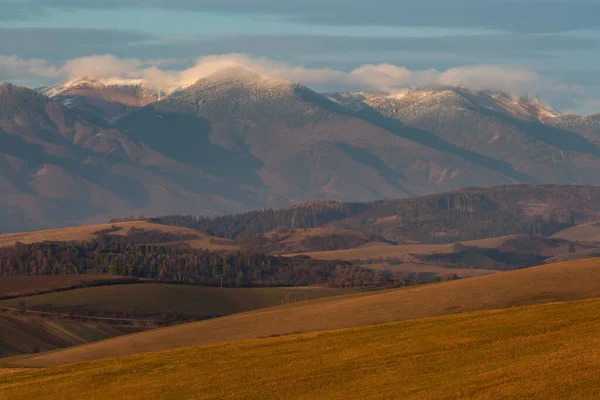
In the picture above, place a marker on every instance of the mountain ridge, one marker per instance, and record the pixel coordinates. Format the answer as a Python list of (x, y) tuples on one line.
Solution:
[(236, 141)]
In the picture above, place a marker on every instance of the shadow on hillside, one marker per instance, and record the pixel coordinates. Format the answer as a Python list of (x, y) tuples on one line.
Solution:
[(185, 138), (429, 139), (421, 137), (36, 156)]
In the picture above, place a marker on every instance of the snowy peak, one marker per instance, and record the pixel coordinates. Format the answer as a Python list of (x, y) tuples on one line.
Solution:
[(450, 97), (132, 92), (234, 73), (108, 99)]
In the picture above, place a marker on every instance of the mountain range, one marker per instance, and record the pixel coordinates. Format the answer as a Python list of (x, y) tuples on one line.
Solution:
[(91, 149)]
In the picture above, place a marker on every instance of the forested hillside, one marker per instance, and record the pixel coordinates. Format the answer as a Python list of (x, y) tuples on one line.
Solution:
[(180, 264), (446, 218)]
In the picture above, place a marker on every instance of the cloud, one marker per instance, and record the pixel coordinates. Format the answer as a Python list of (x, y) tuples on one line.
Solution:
[(511, 15), (66, 43), (370, 77), (15, 66)]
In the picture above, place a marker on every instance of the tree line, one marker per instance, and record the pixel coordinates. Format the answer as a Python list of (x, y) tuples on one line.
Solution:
[(181, 264), (447, 218)]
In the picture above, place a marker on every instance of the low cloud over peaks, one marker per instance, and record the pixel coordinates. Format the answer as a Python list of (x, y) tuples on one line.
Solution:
[(389, 78)]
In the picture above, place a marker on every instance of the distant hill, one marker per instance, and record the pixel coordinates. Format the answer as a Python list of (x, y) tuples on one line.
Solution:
[(588, 232), (548, 283), (463, 215)]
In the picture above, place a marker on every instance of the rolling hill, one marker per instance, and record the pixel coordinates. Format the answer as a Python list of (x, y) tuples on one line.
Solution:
[(517, 244), (589, 232), (508, 354), (25, 334), (548, 283), (88, 232), (68, 318), (153, 300), (467, 214)]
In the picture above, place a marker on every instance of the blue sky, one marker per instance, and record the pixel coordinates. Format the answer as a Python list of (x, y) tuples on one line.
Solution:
[(558, 39)]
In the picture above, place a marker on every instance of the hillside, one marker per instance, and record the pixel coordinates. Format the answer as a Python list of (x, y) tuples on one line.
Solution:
[(589, 232), (508, 354), (59, 168), (513, 244), (23, 334), (103, 99), (236, 141), (519, 131), (468, 214), (155, 300), (18, 286), (548, 283), (88, 232), (72, 317)]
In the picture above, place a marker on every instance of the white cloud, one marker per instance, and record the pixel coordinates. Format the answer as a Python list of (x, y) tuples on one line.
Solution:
[(370, 77), (15, 66)]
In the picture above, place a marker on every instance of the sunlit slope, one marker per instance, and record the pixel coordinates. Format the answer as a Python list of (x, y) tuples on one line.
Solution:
[(510, 243), (548, 283), (25, 334), (541, 352), (88, 232), (156, 299), (589, 232)]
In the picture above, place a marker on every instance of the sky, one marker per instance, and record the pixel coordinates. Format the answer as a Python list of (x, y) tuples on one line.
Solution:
[(544, 48)]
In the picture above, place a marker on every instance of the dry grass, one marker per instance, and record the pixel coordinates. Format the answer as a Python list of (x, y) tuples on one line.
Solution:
[(549, 283), (379, 251), (26, 285), (145, 300), (85, 233), (439, 271), (546, 352), (25, 334), (589, 232), (292, 241)]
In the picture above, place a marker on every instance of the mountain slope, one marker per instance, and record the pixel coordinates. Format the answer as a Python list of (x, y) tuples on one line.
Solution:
[(58, 168), (236, 141), (548, 283), (521, 132), (104, 99), (294, 144)]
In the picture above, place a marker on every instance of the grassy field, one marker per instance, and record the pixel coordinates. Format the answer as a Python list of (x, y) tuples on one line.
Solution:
[(27, 285), (84, 233), (541, 352), (379, 251), (506, 243), (382, 250), (548, 283), (292, 241), (155, 299), (589, 232), (428, 272), (24, 334)]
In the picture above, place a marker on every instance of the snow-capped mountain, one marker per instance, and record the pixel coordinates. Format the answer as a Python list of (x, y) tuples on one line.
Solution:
[(109, 98), (391, 105), (236, 140)]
